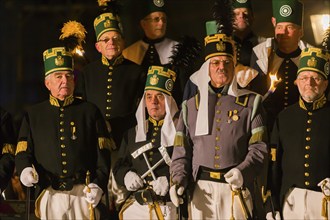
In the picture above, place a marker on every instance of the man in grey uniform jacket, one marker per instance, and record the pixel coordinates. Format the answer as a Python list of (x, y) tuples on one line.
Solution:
[(220, 139)]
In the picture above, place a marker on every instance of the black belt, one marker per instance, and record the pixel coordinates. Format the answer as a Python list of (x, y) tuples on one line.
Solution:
[(213, 175), (66, 183)]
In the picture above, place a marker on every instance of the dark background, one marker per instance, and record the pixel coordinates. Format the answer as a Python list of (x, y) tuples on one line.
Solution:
[(28, 27)]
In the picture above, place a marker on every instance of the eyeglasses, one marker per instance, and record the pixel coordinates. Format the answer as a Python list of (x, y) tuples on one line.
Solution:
[(157, 19), (317, 79), (216, 63), (114, 39)]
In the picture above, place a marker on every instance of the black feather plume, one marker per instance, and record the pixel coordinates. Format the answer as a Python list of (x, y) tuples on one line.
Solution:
[(109, 6), (326, 40), (185, 53), (223, 15)]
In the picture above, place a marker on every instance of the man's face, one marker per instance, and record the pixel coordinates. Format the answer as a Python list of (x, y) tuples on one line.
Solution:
[(155, 103), (221, 70), (60, 84), (154, 25), (287, 34), (110, 44), (311, 85), (243, 19)]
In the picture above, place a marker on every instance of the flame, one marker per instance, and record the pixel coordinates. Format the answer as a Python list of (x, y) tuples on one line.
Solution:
[(273, 82), (79, 52)]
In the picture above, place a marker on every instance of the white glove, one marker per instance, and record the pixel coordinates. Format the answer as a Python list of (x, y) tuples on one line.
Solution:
[(325, 186), (234, 178), (269, 216), (93, 194), (160, 185), (133, 181), (175, 194), (29, 176)]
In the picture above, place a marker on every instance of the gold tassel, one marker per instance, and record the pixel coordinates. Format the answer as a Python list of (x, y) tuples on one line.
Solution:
[(324, 212)]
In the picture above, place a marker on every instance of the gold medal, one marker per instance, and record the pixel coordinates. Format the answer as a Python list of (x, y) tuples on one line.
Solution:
[(235, 117)]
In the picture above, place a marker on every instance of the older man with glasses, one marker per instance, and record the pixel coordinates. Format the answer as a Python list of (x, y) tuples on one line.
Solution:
[(114, 84)]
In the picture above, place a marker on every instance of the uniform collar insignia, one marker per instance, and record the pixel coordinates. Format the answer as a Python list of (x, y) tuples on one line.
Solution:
[(55, 102), (156, 123), (316, 104), (118, 60)]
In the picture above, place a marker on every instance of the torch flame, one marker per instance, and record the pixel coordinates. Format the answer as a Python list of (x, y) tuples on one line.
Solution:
[(273, 82)]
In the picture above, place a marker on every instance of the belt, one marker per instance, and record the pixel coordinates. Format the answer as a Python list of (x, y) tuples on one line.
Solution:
[(213, 175), (66, 183)]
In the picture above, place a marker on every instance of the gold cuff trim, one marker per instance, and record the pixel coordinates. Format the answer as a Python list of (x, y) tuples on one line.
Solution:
[(178, 140), (8, 149), (21, 147), (258, 134)]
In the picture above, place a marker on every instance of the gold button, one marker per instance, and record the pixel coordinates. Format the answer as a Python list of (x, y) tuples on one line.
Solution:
[(287, 61), (62, 138), (64, 162), (153, 140), (217, 138), (219, 95), (149, 174), (151, 153), (108, 100), (308, 138), (217, 157), (217, 148), (216, 166), (306, 156), (63, 154), (156, 128), (307, 147), (307, 183), (107, 108), (310, 113), (61, 115), (218, 103), (286, 83), (286, 92), (286, 98), (107, 115), (61, 122), (306, 165), (286, 87), (306, 174), (62, 146), (154, 134), (218, 120), (218, 111), (218, 129), (62, 130), (308, 129), (64, 171), (61, 109), (309, 121), (150, 159)]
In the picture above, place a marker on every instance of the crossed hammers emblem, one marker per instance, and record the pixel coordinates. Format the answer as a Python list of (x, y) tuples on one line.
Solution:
[(142, 150)]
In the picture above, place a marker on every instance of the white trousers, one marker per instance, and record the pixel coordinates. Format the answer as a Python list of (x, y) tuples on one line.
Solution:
[(212, 200), (71, 204), (303, 204), (136, 211)]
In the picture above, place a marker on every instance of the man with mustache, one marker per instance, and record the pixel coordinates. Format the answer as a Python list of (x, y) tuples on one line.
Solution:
[(220, 146)]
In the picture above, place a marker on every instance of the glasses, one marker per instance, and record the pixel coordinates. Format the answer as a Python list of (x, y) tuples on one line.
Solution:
[(157, 19), (114, 39), (216, 63), (317, 79)]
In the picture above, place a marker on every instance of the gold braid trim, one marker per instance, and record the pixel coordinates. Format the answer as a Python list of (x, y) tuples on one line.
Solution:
[(21, 147), (127, 204), (106, 143), (324, 212), (258, 135), (319, 103), (8, 149), (178, 140), (273, 153)]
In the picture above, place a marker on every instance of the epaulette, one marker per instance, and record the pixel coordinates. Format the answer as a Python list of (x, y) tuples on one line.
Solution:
[(242, 100)]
